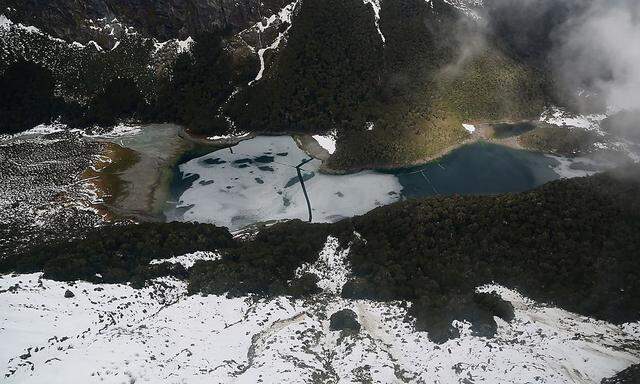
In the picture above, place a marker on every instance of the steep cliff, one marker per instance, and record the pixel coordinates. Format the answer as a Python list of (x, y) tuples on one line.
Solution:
[(82, 21)]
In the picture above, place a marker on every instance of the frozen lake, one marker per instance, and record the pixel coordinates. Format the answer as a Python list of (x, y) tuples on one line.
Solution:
[(256, 181)]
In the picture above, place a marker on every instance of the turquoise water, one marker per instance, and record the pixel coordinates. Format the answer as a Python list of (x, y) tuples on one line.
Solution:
[(479, 168)]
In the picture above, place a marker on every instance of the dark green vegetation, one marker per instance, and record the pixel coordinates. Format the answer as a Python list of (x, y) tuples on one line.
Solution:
[(476, 308), (200, 83), (324, 77), (265, 265), (506, 130), (566, 142), (27, 98), (344, 320), (416, 88), (630, 375), (572, 243), (87, 87), (119, 254)]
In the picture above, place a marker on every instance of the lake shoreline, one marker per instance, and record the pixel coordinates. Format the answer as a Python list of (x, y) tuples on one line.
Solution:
[(148, 181), (483, 133)]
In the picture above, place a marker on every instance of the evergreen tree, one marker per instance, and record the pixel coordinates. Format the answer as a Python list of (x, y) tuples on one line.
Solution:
[(26, 97)]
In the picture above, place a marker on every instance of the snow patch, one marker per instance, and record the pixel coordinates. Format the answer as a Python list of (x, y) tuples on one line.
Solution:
[(562, 118), (122, 130), (185, 45), (284, 16), (232, 136), (331, 268), (44, 129), (469, 127), (5, 23), (189, 259), (470, 8), (95, 45), (327, 142), (375, 4)]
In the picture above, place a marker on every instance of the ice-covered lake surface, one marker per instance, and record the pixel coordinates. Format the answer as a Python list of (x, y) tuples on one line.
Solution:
[(256, 181)]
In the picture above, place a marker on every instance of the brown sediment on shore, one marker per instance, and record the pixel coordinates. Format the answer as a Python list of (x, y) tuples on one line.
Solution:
[(186, 134), (104, 176), (311, 147), (136, 179)]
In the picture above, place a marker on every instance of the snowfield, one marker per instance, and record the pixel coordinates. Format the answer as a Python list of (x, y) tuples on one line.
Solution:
[(116, 334), (560, 117)]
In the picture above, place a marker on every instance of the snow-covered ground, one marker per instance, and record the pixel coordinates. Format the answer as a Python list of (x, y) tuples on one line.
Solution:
[(591, 122), (285, 16), (469, 127), (189, 259), (560, 117), (257, 181), (116, 334), (43, 189)]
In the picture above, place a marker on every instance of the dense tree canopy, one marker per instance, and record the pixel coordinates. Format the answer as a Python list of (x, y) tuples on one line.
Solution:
[(26, 97)]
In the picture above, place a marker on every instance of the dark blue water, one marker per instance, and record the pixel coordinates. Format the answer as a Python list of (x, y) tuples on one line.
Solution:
[(479, 168)]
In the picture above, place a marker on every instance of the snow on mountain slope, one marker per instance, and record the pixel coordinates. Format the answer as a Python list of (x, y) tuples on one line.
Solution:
[(468, 7), (375, 5), (43, 189), (115, 334), (284, 17), (189, 259)]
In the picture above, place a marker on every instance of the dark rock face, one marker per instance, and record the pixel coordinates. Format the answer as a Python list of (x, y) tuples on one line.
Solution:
[(478, 309), (345, 320), (81, 20), (68, 294)]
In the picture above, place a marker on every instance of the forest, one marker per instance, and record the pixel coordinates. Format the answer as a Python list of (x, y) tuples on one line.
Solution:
[(108, 87), (118, 253)]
